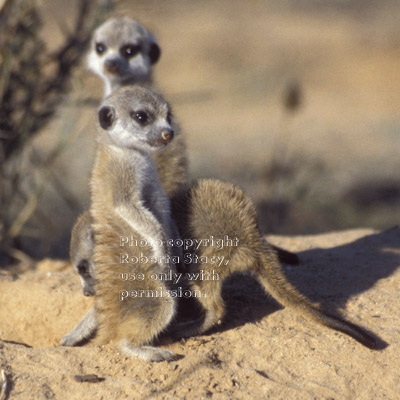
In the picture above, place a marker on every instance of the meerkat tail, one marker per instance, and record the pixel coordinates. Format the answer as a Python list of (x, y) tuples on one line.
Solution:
[(272, 277)]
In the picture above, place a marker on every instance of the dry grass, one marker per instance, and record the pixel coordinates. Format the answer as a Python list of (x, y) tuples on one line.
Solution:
[(33, 84)]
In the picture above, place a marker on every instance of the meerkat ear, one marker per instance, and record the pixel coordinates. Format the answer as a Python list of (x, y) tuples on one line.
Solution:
[(107, 117), (155, 51)]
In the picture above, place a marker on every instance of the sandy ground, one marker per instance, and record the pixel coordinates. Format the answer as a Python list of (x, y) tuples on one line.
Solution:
[(260, 351)]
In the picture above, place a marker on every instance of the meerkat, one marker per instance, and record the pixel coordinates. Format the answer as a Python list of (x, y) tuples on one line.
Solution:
[(200, 218), (219, 210), (127, 199), (198, 212)]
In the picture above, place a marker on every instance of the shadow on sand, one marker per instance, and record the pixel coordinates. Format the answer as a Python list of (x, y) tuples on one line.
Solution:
[(326, 276)]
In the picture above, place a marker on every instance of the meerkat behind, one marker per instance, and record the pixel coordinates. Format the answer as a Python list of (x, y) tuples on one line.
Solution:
[(211, 208)]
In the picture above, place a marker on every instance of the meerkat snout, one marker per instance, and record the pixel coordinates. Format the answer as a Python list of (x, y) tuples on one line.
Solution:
[(112, 66), (167, 135)]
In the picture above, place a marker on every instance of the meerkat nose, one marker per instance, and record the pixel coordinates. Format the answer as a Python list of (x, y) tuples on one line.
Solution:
[(167, 134), (111, 66)]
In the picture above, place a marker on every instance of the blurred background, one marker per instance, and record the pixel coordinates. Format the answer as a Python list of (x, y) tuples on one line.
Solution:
[(296, 101)]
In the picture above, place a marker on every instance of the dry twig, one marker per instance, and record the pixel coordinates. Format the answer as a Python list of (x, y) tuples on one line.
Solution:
[(3, 383)]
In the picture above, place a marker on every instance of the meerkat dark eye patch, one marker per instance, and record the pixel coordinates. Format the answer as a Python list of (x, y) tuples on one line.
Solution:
[(142, 117), (169, 117), (100, 48), (107, 117), (154, 53), (130, 50), (83, 268)]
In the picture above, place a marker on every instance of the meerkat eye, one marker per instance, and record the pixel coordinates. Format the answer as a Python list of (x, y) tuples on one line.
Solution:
[(100, 48), (130, 50), (169, 117), (141, 117)]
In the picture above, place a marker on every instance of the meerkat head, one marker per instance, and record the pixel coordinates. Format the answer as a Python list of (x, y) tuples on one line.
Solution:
[(121, 52), (134, 117), (81, 254), (85, 270)]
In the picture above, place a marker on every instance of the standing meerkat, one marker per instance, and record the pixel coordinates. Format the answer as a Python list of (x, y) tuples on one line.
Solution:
[(127, 199)]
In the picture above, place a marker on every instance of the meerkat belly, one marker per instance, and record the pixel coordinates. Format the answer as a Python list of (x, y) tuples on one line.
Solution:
[(127, 274), (128, 279)]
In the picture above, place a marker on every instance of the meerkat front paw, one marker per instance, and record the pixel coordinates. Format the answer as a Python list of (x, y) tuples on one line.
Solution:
[(164, 355)]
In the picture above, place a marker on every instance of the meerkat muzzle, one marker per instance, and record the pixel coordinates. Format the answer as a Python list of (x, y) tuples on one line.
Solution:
[(111, 66), (167, 135), (112, 69)]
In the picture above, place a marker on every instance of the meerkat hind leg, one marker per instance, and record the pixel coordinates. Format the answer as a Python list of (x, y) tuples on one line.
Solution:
[(142, 324), (213, 310), (210, 292)]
